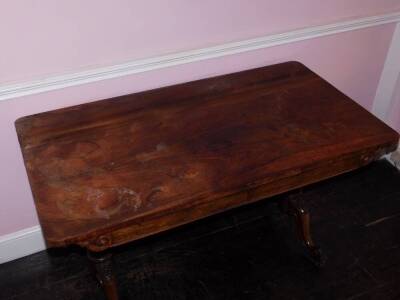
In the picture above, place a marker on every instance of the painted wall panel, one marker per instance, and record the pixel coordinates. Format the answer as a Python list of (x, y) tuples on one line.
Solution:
[(40, 38)]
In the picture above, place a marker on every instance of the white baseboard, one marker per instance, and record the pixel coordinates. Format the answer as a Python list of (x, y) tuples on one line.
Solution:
[(21, 243), (139, 66), (394, 158)]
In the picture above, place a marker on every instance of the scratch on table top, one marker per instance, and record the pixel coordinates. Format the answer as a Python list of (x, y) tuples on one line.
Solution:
[(380, 220), (160, 148)]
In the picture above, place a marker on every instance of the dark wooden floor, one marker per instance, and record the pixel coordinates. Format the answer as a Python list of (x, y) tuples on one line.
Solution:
[(247, 253)]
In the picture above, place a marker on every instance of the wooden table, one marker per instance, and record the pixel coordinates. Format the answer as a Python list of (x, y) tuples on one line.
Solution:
[(113, 171)]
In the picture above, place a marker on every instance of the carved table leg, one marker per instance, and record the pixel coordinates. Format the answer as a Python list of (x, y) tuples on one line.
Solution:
[(102, 266), (293, 207)]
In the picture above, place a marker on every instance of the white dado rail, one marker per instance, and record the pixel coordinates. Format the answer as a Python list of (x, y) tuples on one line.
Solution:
[(164, 61), (30, 240)]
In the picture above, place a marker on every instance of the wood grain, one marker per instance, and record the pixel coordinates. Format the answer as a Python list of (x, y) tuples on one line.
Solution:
[(112, 171)]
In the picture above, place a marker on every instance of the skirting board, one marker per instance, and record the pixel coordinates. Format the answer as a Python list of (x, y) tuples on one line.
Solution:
[(394, 158), (21, 243), (138, 66), (30, 240)]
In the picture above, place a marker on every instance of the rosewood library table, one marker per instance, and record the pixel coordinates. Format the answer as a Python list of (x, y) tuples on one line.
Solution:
[(113, 171)]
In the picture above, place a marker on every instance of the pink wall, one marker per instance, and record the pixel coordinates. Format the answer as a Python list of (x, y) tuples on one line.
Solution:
[(47, 36), (54, 38)]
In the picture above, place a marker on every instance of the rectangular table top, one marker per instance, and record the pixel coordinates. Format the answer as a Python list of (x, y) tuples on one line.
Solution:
[(119, 169)]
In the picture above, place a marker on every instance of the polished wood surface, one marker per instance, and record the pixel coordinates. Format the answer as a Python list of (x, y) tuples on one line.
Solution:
[(112, 171)]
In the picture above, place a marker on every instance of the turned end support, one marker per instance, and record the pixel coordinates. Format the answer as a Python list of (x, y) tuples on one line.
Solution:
[(294, 207), (102, 266)]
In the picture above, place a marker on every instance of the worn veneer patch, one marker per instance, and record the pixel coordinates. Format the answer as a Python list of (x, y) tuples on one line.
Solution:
[(85, 183), (97, 202)]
